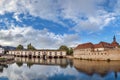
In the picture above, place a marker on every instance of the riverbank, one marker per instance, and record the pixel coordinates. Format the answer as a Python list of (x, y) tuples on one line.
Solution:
[(6, 59), (69, 57)]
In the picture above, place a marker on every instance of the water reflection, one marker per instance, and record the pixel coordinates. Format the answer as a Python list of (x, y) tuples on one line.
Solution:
[(61, 62), (61, 69), (98, 67), (3, 66)]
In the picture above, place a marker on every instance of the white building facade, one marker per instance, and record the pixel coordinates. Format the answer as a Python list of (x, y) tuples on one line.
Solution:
[(38, 53), (2, 50)]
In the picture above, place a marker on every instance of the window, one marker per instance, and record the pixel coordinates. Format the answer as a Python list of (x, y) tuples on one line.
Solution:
[(55, 53), (50, 53), (60, 53)]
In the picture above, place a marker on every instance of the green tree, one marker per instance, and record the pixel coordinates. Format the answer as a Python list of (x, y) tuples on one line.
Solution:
[(65, 48), (119, 46), (19, 64), (20, 47), (30, 47), (70, 51)]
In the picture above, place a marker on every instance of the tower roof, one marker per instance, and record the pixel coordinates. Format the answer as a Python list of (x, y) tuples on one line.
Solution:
[(114, 43)]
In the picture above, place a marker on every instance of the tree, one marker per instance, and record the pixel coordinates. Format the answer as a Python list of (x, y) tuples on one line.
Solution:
[(119, 46), (20, 47), (19, 64), (70, 51), (65, 48), (30, 47)]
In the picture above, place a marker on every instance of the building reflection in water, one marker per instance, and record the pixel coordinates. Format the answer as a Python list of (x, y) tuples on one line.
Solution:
[(63, 62), (83, 66), (97, 67), (2, 66)]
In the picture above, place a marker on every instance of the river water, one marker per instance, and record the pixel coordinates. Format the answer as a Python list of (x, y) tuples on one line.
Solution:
[(60, 69)]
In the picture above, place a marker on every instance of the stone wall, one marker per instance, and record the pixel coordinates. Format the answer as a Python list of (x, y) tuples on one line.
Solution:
[(110, 54)]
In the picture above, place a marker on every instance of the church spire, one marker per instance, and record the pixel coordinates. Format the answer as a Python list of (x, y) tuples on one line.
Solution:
[(114, 39)]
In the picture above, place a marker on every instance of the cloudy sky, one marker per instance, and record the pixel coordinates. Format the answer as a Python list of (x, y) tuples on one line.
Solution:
[(51, 23)]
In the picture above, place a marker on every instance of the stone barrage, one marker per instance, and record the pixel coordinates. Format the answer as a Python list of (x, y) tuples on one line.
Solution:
[(38, 53)]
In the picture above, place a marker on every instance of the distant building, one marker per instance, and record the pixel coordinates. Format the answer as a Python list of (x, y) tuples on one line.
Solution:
[(2, 50), (100, 51)]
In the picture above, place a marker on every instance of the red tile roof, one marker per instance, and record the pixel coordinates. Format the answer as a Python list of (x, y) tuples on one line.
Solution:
[(100, 45), (85, 45), (103, 45), (114, 44)]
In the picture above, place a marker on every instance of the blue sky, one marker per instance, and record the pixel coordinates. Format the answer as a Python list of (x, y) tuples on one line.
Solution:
[(51, 23)]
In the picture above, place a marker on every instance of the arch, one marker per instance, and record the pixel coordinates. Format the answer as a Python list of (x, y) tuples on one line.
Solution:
[(30, 55), (34, 56), (38, 55), (25, 54), (50, 55), (44, 57), (61, 56)]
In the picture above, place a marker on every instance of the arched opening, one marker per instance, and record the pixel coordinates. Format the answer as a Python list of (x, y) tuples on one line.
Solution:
[(61, 57), (15, 55), (18, 56), (55, 56), (44, 57), (21, 55), (50, 57), (25, 55), (34, 56), (38, 56), (30, 56)]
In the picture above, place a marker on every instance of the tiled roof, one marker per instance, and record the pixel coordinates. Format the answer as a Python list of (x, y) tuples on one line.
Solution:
[(104, 45), (100, 45), (85, 45), (114, 44)]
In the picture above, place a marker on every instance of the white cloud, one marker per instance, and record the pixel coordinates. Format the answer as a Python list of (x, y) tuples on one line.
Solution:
[(95, 23), (14, 72), (73, 10), (16, 16), (39, 38)]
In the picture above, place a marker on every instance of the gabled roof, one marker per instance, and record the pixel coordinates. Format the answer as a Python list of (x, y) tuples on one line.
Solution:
[(90, 45), (99, 45), (103, 45), (114, 44), (85, 45)]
